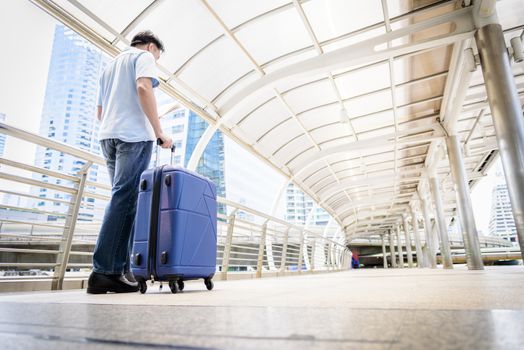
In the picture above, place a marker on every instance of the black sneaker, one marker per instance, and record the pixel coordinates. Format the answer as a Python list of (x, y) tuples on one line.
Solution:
[(100, 284)]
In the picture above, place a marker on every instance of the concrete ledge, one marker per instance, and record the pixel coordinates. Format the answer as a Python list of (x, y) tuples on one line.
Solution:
[(44, 284)]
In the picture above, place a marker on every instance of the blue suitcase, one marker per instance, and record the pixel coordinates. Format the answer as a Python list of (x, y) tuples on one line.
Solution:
[(175, 236)]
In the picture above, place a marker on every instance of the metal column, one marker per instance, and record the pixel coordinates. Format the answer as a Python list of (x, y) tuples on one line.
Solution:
[(283, 258), (416, 235), (467, 219), (62, 258), (432, 261), (301, 253), (507, 115), (392, 251), (384, 256), (445, 249), (400, 253), (408, 241)]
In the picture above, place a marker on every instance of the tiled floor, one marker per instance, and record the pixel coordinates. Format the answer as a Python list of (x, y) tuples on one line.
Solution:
[(362, 309)]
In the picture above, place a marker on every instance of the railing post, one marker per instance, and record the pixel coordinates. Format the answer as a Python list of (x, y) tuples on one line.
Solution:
[(313, 249), (400, 252), (69, 230), (445, 249), (261, 246), (283, 258), (408, 241), (301, 252), (229, 240), (330, 256)]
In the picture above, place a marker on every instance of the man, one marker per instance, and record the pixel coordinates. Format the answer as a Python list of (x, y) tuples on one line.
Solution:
[(130, 124)]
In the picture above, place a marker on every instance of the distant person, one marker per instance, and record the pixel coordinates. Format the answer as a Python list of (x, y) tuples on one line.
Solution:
[(355, 262), (129, 125)]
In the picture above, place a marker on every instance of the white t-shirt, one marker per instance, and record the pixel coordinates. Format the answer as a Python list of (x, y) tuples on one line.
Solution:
[(122, 115)]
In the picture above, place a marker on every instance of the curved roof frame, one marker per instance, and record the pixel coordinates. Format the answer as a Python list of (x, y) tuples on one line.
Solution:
[(337, 161)]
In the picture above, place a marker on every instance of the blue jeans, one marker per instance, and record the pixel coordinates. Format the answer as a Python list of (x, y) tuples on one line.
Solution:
[(125, 163)]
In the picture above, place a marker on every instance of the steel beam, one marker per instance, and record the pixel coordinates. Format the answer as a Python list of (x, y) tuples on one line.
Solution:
[(441, 223), (399, 248), (506, 112), (467, 219), (408, 241), (384, 256), (416, 235)]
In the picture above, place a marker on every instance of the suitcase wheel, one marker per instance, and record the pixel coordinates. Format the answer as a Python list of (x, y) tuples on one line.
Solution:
[(142, 285), (180, 284), (209, 283), (173, 285)]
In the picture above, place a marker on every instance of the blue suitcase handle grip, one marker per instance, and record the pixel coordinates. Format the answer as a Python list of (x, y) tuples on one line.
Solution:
[(159, 142)]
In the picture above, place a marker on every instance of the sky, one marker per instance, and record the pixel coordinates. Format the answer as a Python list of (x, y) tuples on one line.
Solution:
[(24, 63), (24, 66)]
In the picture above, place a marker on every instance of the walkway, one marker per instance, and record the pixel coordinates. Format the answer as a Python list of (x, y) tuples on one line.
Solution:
[(364, 309)]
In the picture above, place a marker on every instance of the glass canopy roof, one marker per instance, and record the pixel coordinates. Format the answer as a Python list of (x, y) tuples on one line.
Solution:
[(341, 96)]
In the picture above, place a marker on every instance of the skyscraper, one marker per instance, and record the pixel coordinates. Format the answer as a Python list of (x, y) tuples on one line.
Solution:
[(68, 114), (299, 206), (502, 223), (211, 164), (2, 136)]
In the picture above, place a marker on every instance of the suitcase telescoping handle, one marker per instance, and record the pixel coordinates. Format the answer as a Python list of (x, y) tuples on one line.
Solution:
[(159, 142)]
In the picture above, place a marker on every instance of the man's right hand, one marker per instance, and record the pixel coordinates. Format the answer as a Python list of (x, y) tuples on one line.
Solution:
[(167, 142)]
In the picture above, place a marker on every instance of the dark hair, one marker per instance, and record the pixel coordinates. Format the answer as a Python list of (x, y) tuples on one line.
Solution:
[(147, 37)]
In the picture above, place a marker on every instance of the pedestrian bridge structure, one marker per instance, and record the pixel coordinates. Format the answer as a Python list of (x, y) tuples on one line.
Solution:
[(385, 112)]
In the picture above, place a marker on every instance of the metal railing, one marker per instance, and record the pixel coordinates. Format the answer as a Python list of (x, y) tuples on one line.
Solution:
[(61, 240), (455, 241)]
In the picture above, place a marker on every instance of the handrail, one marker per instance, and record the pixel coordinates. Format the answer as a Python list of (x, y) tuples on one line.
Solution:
[(42, 141), (262, 244)]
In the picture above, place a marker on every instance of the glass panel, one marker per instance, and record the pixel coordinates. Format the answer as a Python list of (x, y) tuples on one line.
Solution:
[(293, 149), (335, 44), (333, 18), (369, 104), (422, 65), (273, 36), (261, 180), (375, 133), (363, 80), (310, 95), (299, 153), (235, 12), (265, 118), (510, 13), (236, 87), (289, 59), (82, 17), (418, 110), (419, 91), (401, 7), (335, 131), (320, 116), (281, 135), (347, 137), (243, 108), (379, 120), (183, 35), (117, 13), (215, 68)]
